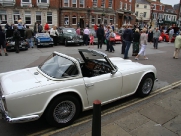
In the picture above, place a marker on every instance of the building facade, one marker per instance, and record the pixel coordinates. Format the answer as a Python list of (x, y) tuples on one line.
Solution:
[(30, 11)]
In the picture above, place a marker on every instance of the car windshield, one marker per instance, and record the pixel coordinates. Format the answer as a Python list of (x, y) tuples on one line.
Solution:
[(58, 67), (69, 30), (42, 35)]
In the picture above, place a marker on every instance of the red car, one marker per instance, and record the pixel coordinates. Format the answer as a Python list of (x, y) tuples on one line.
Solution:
[(165, 37), (117, 38)]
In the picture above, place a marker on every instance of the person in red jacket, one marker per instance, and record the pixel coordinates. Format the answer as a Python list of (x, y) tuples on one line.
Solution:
[(46, 27), (95, 27)]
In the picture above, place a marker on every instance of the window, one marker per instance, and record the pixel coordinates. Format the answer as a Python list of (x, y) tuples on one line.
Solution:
[(129, 7), (38, 17), (16, 16), (99, 20), (74, 20), (25, 1), (43, 1), (74, 3), (137, 5), (111, 20), (3, 17), (121, 5), (49, 17), (144, 14), (93, 20), (130, 0), (136, 13), (160, 7), (27, 17), (125, 6), (154, 6), (66, 3), (102, 4), (145, 6), (110, 3), (81, 4), (66, 20), (94, 3)]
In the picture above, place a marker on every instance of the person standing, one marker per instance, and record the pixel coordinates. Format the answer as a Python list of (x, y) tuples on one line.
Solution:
[(91, 37), (123, 43), (171, 32), (28, 36), (95, 27), (150, 36), (127, 37), (40, 28), (2, 42), (111, 42), (46, 27), (78, 31), (54, 34), (156, 35), (143, 44), (35, 28), (16, 37), (100, 36), (136, 40), (107, 32), (86, 35), (177, 46)]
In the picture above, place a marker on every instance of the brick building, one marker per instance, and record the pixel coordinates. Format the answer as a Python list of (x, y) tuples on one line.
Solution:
[(30, 11)]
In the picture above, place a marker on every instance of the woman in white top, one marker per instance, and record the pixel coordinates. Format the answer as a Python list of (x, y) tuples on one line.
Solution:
[(54, 34), (143, 44)]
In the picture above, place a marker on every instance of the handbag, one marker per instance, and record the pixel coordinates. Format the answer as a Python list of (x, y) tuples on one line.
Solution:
[(111, 39)]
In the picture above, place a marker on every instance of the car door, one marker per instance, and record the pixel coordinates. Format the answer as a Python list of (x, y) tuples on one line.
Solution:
[(60, 37), (105, 87)]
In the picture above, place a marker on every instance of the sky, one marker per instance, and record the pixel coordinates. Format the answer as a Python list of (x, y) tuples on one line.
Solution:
[(170, 2)]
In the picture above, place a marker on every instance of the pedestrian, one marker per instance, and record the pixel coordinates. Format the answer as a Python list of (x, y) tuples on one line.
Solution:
[(136, 40), (2, 42), (7, 26), (86, 35), (78, 30), (150, 36), (35, 28), (156, 35), (46, 27), (16, 37), (143, 44), (95, 27), (54, 34), (20, 26), (177, 46), (171, 32), (127, 37), (20, 21), (40, 28), (91, 42), (100, 36), (111, 40), (123, 43), (107, 32), (28, 35)]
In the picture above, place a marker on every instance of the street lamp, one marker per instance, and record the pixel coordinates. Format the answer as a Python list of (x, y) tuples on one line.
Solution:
[(152, 7)]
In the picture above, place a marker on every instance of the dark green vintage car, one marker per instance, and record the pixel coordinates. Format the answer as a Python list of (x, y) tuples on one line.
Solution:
[(69, 36)]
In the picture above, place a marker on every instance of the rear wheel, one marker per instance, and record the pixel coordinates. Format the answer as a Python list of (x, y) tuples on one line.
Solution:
[(146, 85), (62, 111)]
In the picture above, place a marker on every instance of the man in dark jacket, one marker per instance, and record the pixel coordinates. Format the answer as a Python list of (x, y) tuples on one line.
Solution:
[(127, 37), (100, 36), (2, 42), (16, 37), (29, 35)]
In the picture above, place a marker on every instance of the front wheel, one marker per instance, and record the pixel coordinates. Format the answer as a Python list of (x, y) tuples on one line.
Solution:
[(62, 111), (146, 85)]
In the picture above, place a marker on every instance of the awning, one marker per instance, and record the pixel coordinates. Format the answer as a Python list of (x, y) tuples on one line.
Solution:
[(126, 17), (130, 18)]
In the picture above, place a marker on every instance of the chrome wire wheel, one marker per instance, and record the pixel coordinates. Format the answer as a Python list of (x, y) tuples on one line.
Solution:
[(64, 111), (147, 86)]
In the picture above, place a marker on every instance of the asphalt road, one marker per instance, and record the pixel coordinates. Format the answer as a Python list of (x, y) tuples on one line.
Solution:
[(168, 71)]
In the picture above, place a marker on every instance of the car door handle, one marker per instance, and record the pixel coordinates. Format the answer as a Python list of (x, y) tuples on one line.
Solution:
[(89, 85)]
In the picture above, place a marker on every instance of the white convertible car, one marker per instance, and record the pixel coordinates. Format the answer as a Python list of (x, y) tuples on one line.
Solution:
[(62, 87)]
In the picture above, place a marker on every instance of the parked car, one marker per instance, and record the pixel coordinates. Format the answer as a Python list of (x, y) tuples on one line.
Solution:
[(61, 87), (118, 38), (43, 39), (10, 43), (69, 36)]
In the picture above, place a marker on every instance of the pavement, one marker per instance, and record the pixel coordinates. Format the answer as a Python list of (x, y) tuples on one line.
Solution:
[(157, 115)]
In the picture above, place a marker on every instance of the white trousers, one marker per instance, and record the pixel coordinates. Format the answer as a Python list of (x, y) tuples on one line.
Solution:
[(142, 50)]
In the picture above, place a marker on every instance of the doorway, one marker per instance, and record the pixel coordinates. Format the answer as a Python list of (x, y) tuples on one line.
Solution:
[(81, 23), (120, 22)]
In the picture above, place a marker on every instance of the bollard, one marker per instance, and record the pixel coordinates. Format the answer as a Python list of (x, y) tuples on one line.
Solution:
[(96, 120)]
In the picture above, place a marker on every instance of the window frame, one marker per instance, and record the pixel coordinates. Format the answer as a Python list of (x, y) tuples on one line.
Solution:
[(51, 18), (99, 19), (110, 3), (5, 17), (94, 3), (83, 3), (30, 1), (67, 3), (38, 15), (93, 18), (66, 16), (40, 1), (144, 14), (74, 17), (17, 14), (145, 6), (121, 5), (102, 4)]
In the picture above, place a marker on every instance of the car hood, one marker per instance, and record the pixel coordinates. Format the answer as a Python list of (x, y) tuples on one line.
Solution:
[(22, 80), (124, 65)]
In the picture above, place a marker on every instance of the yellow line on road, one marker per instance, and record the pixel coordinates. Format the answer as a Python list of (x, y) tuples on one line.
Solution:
[(156, 92)]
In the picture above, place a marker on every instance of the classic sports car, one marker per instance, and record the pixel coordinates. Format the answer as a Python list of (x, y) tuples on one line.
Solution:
[(10, 43), (43, 39), (62, 86), (118, 38), (69, 36)]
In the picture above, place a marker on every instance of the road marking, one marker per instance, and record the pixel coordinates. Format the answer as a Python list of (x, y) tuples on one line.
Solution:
[(114, 109)]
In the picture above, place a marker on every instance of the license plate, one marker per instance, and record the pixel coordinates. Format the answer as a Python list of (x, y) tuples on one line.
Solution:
[(12, 47), (46, 43)]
